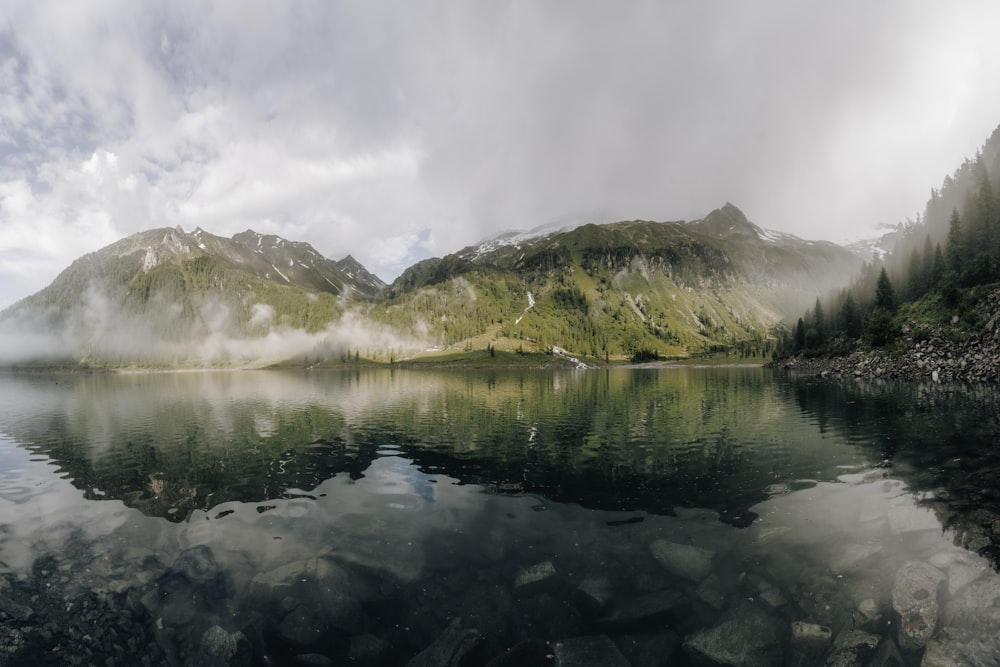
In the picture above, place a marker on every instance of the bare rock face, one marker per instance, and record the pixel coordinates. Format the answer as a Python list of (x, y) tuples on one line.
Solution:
[(915, 599)]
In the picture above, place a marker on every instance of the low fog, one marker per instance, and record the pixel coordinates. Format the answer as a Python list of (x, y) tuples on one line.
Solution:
[(98, 331)]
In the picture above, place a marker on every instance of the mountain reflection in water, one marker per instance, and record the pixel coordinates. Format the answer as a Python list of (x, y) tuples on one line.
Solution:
[(429, 496)]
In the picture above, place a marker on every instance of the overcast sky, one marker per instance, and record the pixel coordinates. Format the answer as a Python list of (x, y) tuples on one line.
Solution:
[(395, 131)]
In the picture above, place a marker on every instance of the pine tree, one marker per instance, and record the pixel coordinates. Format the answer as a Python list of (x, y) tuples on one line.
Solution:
[(851, 317), (819, 321), (885, 297), (955, 251)]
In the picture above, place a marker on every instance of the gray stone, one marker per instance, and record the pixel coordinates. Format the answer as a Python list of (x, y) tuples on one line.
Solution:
[(810, 642), (810, 634), (534, 577), (302, 627), (954, 647), (852, 648), (596, 651), (745, 636), (15, 610), (962, 568), (223, 649), (850, 555), (197, 564), (321, 581), (975, 604), (915, 599), (277, 583), (649, 649), (646, 609), (683, 560), (450, 649), (867, 616), (905, 517), (545, 616), (367, 650), (712, 592), (597, 590), (217, 642), (886, 655)]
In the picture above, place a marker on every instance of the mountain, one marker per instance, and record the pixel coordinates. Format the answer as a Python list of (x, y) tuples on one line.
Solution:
[(167, 297), (618, 290), (631, 289), (881, 244)]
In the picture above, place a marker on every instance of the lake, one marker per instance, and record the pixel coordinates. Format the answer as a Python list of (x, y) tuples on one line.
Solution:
[(507, 517)]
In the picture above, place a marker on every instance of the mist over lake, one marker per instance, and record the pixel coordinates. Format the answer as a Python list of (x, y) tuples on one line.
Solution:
[(379, 516)]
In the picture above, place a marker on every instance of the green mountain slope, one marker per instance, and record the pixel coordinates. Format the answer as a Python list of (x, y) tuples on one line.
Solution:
[(166, 297), (634, 289), (628, 289)]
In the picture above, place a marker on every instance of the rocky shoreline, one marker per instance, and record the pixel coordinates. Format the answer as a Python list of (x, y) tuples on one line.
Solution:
[(964, 350)]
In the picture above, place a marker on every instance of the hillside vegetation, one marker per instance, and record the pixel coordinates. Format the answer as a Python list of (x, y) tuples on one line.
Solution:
[(629, 290), (634, 290), (940, 283)]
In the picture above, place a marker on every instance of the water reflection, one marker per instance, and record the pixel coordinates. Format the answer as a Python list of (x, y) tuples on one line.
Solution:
[(240, 518), (169, 444)]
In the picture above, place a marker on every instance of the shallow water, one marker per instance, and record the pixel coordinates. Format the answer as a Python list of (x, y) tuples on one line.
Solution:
[(264, 517)]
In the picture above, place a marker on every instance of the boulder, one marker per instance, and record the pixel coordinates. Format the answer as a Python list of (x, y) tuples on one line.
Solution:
[(534, 578), (683, 560), (954, 647), (915, 599), (302, 627), (886, 655), (588, 652), (962, 568), (219, 648), (745, 636), (853, 648), (450, 649), (810, 642), (976, 604), (645, 610), (367, 650), (648, 649)]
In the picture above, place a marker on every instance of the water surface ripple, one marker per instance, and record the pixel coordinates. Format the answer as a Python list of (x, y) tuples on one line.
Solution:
[(668, 516)]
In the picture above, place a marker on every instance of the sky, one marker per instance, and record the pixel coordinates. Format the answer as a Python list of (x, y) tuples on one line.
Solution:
[(399, 130)]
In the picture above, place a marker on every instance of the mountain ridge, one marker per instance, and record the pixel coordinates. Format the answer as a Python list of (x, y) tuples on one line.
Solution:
[(606, 291)]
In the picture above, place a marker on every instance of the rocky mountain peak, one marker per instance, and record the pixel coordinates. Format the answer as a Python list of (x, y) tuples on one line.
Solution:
[(725, 222)]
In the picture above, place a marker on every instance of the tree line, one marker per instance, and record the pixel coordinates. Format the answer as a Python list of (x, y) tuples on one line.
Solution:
[(934, 269)]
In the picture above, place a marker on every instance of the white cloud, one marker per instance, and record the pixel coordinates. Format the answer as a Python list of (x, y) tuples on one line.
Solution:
[(391, 131)]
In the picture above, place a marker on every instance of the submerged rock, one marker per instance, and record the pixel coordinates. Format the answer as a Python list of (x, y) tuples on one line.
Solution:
[(810, 642), (962, 567), (448, 650), (649, 649), (588, 651), (224, 649), (646, 609), (954, 647), (683, 560), (976, 604), (367, 650), (533, 578), (886, 655), (852, 648), (915, 599), (596, 591), (849, 555), (746, 636)]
